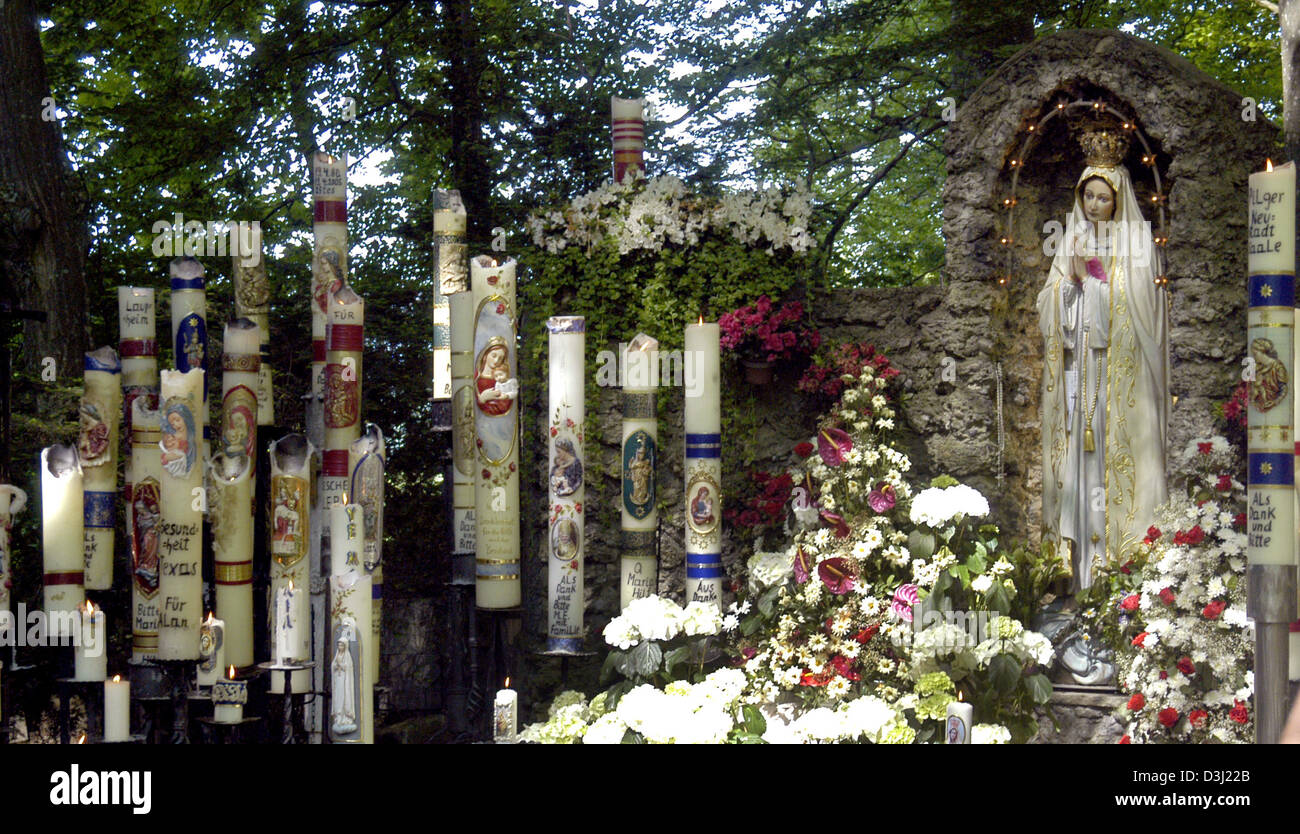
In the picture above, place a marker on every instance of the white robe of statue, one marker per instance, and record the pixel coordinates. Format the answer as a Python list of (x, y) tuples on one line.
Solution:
[(1107, 358), (343, 704)]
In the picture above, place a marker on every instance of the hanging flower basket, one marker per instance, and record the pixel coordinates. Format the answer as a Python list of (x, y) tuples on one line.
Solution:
[(762, 334), (757, 372)]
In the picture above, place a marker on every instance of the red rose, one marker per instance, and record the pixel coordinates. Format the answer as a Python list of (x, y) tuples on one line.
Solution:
[(1140, 639), (487, 476), (1197, 718), (578, 506), (1239, 520), (1126, 740), (1131, 602), (803, 449), (501, 309), (1163, 674), (1204, 448), (1239, 713), (1137, 702), (554, 431), (1214, 609), (512, 467), (1126, 568), (1168, 716), (1224, 484), (1167, 596), (1153, 535), (1186, 666)]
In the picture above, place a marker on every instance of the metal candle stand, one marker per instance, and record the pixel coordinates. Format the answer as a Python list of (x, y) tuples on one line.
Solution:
[(292, 703), (226, 732), (178, 674), (506, 625), (92, 698)]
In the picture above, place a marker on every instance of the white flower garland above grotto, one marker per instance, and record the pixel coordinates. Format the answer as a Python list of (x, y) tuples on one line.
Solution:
[(647, 214)]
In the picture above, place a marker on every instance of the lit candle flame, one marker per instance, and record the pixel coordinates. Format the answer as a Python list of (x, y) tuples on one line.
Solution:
[(82, 740), (1268, 165), (701, 319), (230, 673), (291, 583), (117, 679), (507, 683)]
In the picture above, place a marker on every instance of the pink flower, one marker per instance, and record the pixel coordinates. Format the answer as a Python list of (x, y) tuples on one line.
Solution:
[(836, 575), (802, 567), (834, 445), (836, 522), (904, 598), (1131, 602), (881, 499), (1095, 270)]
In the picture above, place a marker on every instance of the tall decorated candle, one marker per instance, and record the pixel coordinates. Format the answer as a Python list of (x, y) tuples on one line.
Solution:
[(1270, 526), (180, 542), (145, 517), (62, 527), (566, 471), (12, 501), (449, 254), (464, 454), (290, 532), (189, 317), (253, 302), (231, 515), (366, 489), (344, 337), (241, 362), (329, 266), (351, 616), (627, 123), (496, 419), (138, 349), (100, 414), (703, 465), (638, 564)]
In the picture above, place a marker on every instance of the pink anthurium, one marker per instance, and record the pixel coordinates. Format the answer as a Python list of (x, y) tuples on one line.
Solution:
[(836, 575), (882, 498), (834, 445)]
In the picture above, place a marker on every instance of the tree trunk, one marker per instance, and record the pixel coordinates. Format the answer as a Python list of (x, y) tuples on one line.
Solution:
[(470, 171), (43, 236), (1289, 19)]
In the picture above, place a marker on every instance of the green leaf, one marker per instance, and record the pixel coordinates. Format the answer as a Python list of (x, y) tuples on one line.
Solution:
[(674, 657), (997, 597), (753, 719), (750, 624), (643, 660), (632, 737), (767, 600), (1040, 688), (942, 584), (977, 563), (613, 661), (961, 572), (920, 544), (1004, 673)]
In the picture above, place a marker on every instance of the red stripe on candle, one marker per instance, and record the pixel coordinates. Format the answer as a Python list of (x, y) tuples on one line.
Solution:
[(137, 347), (70, 577), (318, 350), (637, 122), (346, 337), (331, 211), (334, 462)]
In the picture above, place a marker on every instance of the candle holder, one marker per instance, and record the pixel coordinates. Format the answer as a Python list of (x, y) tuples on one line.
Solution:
[(565, 658), (506, 624), (229, 732), (178, 674), (292, 703), (92, 699)]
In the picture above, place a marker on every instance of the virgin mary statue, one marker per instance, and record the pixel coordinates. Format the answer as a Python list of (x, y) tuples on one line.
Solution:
[(1105, 403)]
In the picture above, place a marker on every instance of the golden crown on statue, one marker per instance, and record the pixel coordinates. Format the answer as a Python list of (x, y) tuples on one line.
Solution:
[(1104, 145)]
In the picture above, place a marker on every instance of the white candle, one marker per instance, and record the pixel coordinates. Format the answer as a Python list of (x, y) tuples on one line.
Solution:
[(366, 488), (957, 724), (117, 709), (180, 582), (495, 385), (567, 483), (345, 538), (351, 719), (638, 565), (143, 518), (450, 276), (232, 554), (627, 120), (465, 473), (228, 699), (290, 532), (1270, 347), (189, 317), (212, 651), (252, 302), (505, 716), (62, 529), (90, 654), (100, 414), (703, 464), (138, 348), (12, 501)]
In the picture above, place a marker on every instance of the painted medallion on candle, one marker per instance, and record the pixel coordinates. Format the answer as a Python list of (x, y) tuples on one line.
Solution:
[(191, 342), (145, 514), (288, 509), (345, 683), (566, 543), (367, 490), (179, 440), (495, 386), (342, 396), (566, 470), (639, 474), (955, 730), (702, 506), (92, 442), (239, 432), (328, 271), (211, 638), (463, 417), (130, 393)]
